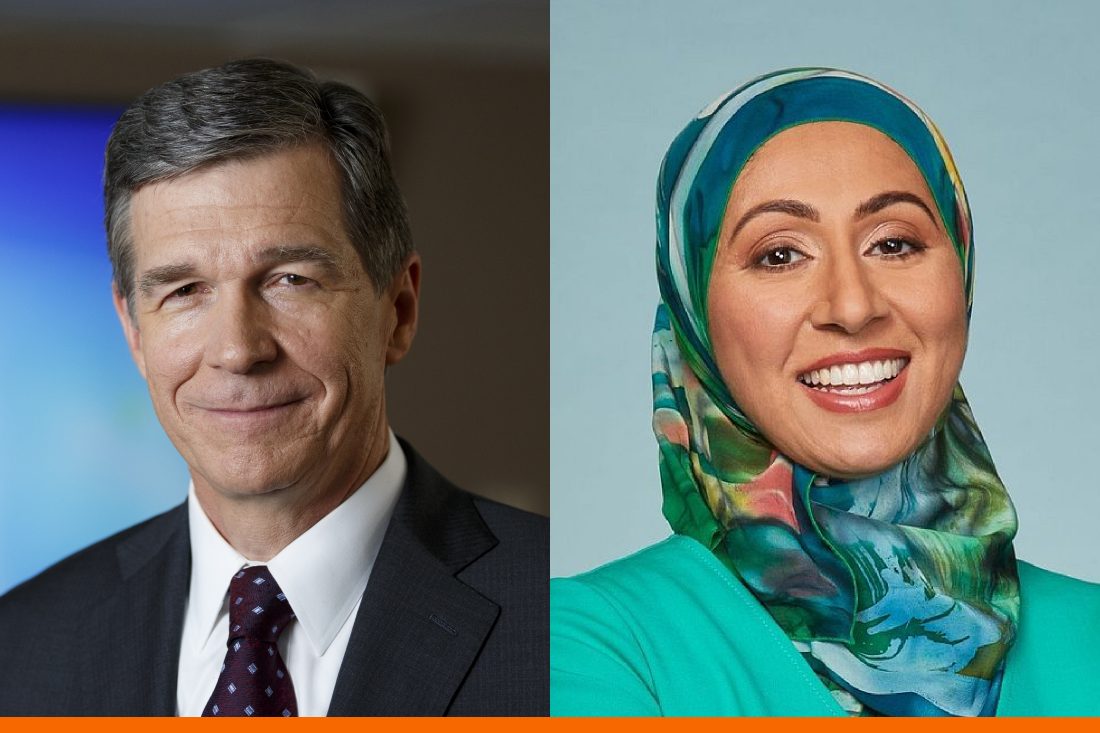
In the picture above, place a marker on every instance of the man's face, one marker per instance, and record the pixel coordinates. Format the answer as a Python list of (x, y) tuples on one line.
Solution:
[(260, 335)]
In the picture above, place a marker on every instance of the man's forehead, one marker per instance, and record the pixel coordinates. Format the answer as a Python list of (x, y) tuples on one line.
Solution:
[(290, 197), (300, 175)]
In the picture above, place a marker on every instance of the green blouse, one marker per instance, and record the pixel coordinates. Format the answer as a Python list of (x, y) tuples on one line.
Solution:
[(671, 631)]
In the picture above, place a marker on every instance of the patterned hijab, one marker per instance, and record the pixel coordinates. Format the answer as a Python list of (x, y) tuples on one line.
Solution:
[(899, 589)]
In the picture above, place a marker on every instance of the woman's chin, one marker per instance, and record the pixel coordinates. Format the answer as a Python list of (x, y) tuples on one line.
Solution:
[(853, 445), (852, 457)]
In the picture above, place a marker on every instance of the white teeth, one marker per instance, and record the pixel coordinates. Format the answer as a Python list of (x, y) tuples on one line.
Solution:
[(857, 390), (854, 376)]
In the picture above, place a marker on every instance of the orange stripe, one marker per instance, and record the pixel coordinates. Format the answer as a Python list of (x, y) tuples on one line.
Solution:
[(501, 725)]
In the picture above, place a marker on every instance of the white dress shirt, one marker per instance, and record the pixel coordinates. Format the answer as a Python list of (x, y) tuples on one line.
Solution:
[(323, 574)]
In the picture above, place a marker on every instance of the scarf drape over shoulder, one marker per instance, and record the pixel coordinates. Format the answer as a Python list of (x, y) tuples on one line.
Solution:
[(900, 589)]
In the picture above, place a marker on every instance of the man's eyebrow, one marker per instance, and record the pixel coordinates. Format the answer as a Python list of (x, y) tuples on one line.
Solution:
[(293, 253), (778, 206), (156, 277), (881, 201)]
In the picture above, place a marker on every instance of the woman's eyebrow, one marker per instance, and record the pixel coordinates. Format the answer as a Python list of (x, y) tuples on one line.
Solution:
[(881, 201), (778, 206)]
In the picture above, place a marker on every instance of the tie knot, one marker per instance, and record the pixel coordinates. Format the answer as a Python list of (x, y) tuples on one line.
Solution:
[(257, 607)]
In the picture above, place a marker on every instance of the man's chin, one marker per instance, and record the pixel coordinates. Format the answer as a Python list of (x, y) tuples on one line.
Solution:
[(244, 485)]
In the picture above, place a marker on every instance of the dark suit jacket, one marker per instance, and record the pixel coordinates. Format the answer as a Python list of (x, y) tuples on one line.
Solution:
[(454, 620)]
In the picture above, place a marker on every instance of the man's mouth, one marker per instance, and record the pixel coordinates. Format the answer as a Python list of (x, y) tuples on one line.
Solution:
[(244, 409), (248, 411), (854, 378)]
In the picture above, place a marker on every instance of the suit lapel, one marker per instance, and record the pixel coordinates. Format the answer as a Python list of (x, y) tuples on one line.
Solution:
[(140, 627), (419, 628), (418, 631)]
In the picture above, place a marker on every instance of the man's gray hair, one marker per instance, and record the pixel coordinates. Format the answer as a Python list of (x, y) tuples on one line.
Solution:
[(248, 108)]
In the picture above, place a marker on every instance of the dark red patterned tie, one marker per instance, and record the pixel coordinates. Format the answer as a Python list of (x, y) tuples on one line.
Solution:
[(254, 680)]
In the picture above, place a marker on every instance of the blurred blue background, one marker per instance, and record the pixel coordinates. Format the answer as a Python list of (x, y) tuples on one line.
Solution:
[(1012, 86), (80, 449), (464, 85)]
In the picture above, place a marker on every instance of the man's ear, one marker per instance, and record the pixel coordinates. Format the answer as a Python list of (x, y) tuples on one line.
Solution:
[(404, 295), (129, 329)]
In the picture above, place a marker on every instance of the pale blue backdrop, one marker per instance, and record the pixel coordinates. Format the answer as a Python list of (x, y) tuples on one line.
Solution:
[(1014, 88)]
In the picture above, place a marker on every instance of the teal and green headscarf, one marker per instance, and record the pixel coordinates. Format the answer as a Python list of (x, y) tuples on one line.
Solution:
[(900, 589)]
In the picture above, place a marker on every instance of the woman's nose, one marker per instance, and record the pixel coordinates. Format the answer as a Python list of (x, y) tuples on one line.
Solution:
[(849, 299), (238, 333)]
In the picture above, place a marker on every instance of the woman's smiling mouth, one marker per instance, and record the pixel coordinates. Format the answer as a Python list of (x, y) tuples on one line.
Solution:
[(853, 377), (856, 382)]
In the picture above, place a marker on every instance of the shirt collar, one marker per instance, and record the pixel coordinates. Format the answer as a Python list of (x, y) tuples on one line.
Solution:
[(345, 543)]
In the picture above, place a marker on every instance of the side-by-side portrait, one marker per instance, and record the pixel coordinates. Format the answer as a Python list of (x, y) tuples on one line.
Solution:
[(549, 359)]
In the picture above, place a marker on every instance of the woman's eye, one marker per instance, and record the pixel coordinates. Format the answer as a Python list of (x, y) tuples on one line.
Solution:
[(780, 257), (895, 247)]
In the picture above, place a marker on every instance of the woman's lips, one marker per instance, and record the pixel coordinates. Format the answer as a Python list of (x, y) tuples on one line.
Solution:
[(855, 357), (838, 374), (861, 386)]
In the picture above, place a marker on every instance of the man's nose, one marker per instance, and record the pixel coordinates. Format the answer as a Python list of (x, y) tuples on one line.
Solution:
[(849, 299), (238, 332)]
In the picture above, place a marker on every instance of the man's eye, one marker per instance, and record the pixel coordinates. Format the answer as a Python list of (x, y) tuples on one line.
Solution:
[(296, 280), (186, 291), (780, 257)]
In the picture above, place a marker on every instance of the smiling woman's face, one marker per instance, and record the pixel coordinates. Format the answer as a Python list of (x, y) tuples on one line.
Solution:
[(836, 306)]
